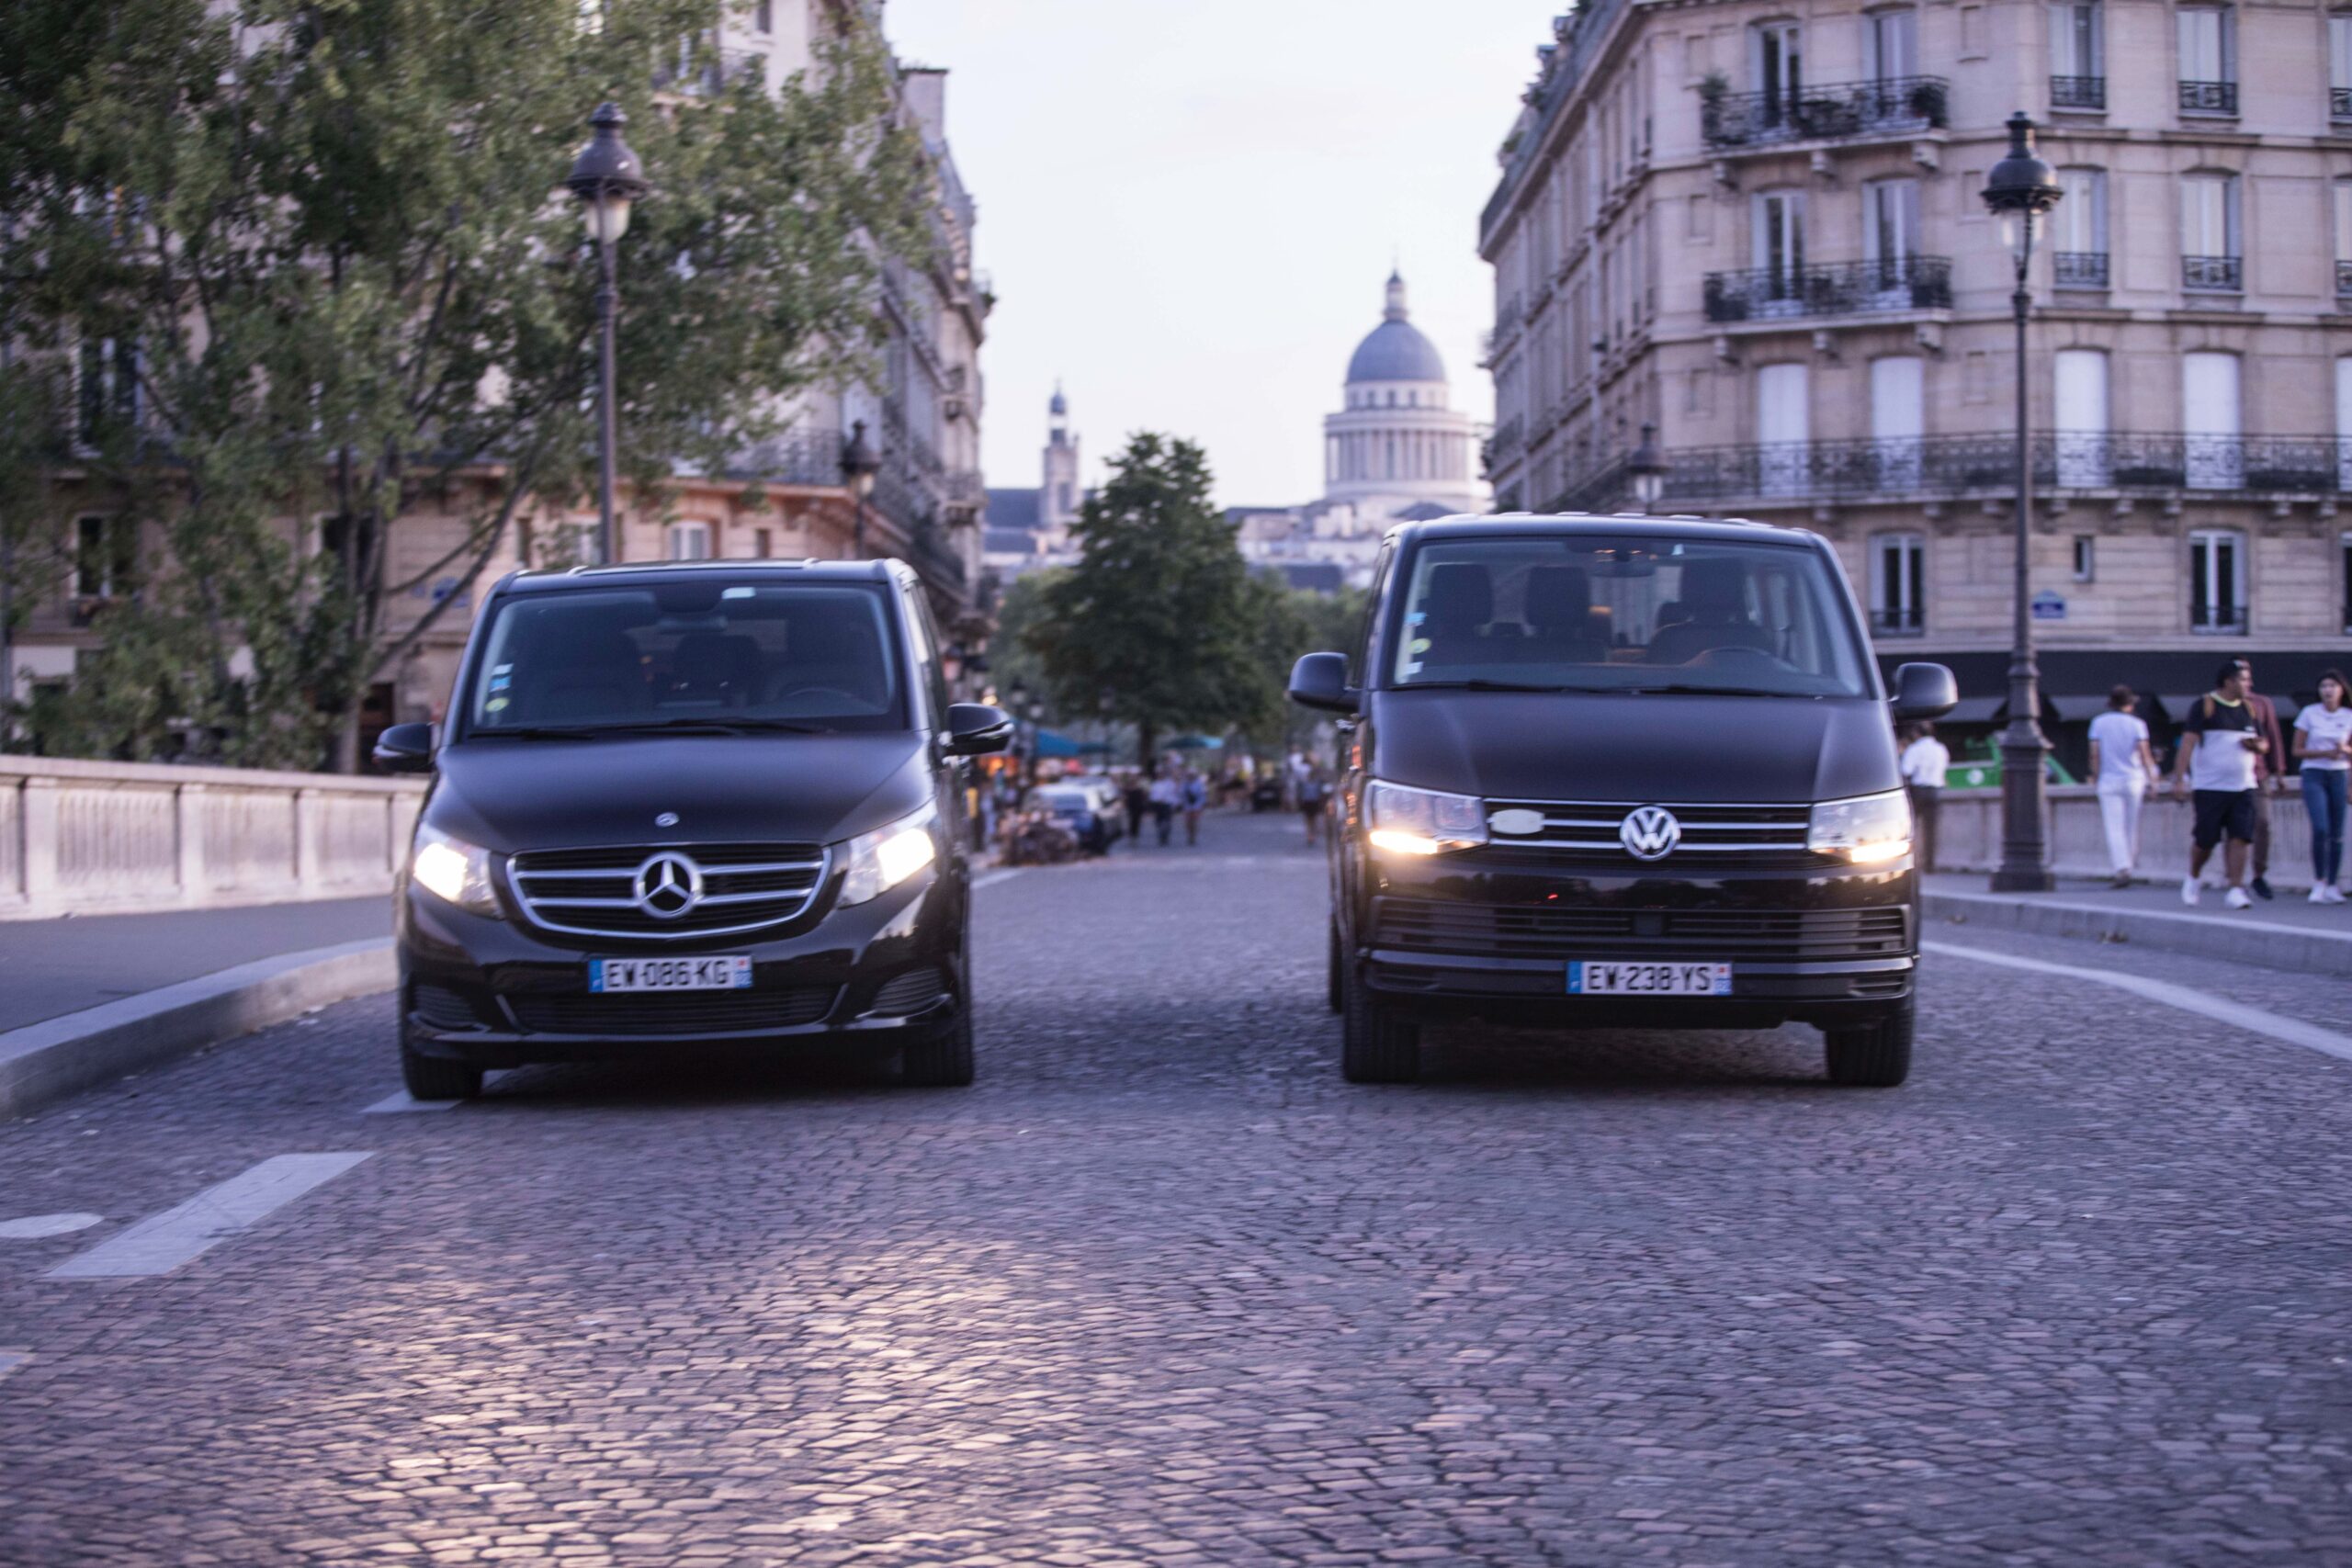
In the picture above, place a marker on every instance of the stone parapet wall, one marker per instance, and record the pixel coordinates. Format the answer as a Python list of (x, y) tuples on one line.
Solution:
[(1969, 835)]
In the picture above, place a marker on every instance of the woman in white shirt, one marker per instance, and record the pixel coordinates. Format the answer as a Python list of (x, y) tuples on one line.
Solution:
[(2124, 767), (2324, 747)]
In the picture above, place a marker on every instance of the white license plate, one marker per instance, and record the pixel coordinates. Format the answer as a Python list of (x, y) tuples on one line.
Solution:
[(1591, 979), (670, 974)]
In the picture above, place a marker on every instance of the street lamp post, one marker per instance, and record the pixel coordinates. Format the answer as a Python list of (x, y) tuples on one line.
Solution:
[(1646, 467), (2018, 191), (607, 178), (860, 463)]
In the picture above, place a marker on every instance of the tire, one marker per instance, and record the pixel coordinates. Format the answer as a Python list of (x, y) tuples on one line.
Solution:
[(433, 1077), (944, 1058), (1877, 1056), (1377, 1044), (1335, 983)]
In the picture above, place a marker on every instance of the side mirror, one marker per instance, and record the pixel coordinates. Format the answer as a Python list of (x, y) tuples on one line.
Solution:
[(1923, 691), (405, 749), (1320, 680), (975, 727)]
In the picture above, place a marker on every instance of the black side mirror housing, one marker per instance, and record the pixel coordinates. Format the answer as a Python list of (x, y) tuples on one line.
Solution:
[(405, 749), (1923, 691), (976, 728), (1320, 680)]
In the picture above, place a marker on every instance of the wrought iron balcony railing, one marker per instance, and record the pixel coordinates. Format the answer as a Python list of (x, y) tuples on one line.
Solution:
[(1892, 620), (2212, 275), (1831, 288), (2078, 92), (811, 456), (1892, 104), (2080, 269), (2342, 278), (2208, 97), (2216, 620), (2339, 103)]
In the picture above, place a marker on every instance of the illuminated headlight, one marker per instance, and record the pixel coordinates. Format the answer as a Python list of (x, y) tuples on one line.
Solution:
[(1408, 821), (1867, 830), (882, 859), (453, 871)]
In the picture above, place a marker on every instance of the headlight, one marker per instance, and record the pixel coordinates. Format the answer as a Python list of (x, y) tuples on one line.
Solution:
[(1866, 831), (1410, 821), (879, 860), (453, 871)]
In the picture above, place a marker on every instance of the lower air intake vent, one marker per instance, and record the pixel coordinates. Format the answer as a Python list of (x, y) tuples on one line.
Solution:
[(685, 1012), (910, 992)]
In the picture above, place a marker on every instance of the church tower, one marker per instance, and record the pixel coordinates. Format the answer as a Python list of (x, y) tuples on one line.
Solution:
[(1058, 502)]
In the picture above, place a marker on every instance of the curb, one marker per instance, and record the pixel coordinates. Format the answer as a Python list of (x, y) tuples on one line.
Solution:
[(43, 1063), (2263, 943)]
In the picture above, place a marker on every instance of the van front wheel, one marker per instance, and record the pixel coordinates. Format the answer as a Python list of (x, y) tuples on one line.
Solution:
[(1877, 1056), (1377, 1044)]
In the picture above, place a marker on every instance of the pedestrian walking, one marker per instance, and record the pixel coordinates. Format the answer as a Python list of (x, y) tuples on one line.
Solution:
[(1164, 794), (2323, 750), (1924, 763), (2220, 750), (1312, 793), (2269, 775), (1136, 798), (1194, 795), (2123, 766)]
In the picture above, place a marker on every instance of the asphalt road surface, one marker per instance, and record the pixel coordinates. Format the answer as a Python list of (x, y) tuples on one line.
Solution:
[(1162, 1289)]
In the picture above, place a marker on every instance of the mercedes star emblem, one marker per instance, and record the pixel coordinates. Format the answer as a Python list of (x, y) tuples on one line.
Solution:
[(1649, 832), (668, 885)]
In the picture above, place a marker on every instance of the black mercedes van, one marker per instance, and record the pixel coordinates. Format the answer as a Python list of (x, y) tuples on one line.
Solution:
[(1618, 772), (686, 804)]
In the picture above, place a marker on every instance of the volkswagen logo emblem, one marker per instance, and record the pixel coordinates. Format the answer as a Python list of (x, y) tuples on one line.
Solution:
[(668, 885), (666, 819), (1649, 832)]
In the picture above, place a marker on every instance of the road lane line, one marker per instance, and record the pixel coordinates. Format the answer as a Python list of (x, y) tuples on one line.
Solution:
[(162, 1242), (2237, 1015), (996, 877), (32, 1228)]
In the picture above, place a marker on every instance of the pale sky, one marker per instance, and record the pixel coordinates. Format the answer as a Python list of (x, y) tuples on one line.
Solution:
[(1189, 206)]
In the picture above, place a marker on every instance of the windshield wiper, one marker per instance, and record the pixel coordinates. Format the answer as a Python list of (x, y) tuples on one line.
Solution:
[(1684, 687), (1483, 686)]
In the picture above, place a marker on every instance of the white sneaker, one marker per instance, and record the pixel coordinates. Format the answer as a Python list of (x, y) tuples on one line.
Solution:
[(2189, 888), (2334, 893), (2238, 898), (2319, 896)]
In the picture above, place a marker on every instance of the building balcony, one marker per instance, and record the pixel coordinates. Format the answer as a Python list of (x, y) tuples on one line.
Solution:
[(2208, 97), (1829, 289), (2216, 620), (2339, 103), (2078, 92), (2212, 275), (795, 457), (2079, 269), (1893, 621), (1892, 105), (2343, 280)]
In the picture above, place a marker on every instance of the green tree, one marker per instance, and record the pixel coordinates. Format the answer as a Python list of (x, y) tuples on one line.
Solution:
[(1158, 609), (306, 255)]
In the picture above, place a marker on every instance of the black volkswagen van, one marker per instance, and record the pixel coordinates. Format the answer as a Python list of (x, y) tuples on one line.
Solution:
[(684, 804), (1623, 772)]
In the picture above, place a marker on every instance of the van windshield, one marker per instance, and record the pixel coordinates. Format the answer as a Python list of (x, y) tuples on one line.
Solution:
[(687, 655), (1594, 612)]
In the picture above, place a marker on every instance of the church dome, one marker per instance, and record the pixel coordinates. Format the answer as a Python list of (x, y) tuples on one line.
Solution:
[(1395, 350)]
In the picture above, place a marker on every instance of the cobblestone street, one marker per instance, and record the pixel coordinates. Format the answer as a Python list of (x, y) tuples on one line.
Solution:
[(1162, 1289)]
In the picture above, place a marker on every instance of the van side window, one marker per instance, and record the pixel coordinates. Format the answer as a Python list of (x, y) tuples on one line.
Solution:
[(1360, 663), (929, 677)]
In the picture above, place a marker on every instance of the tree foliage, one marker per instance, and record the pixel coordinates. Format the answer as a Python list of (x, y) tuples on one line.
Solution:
[(1159, 614), (326, 237)]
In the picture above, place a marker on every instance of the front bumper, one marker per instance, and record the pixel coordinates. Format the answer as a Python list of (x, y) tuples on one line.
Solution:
[(1490, 934), (499, 993)]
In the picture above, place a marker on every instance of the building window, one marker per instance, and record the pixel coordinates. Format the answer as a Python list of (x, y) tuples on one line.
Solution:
[(1777, 252), (107, 389), (1898, 584), (2344, 423), (689, 541), (2343, 561), (762, 544), (1777, 50), (2078, 229), (1894, 43), (2214, 454), (2086, 558), (106, 556), (763, 16), (2077, 56), (2216, 581), (2210, 256), (2085, 459), (2209, 60), (2341, 194), (2339, 66)]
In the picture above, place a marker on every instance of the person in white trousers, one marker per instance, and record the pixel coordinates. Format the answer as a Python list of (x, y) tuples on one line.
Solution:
[(2123, 766)]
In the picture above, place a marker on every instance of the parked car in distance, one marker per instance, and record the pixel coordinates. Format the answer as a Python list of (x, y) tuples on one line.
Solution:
[(1108, 799), (1620, 772), (694, 803), (1092, 821)]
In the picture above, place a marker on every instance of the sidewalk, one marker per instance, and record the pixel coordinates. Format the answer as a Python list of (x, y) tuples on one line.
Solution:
[(51, 968), (2286, 933)]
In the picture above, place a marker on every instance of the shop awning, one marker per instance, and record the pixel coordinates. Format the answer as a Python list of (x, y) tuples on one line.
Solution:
[(1053, 744), (2177, 708), (1974, 710), (2077, 705)]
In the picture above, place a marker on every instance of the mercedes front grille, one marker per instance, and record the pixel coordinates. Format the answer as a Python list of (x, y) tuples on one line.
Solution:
[(667, 892)]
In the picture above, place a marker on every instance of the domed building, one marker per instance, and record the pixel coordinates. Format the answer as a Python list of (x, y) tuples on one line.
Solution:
[(1397, 444)]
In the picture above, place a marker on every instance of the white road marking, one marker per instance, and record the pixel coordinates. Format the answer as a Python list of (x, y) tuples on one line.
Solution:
[(400, 1100), (161, 1243), (2237, 1015), (34, 1226), (996, 877), (11, 1359)]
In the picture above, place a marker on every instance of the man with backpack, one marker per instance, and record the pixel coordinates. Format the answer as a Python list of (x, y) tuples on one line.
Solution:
[(2222, 747)]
